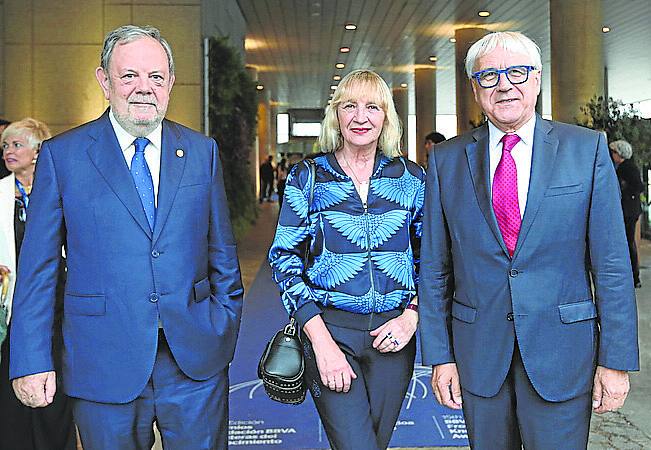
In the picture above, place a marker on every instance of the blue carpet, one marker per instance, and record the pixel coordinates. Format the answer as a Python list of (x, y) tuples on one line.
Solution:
[(257, 421)]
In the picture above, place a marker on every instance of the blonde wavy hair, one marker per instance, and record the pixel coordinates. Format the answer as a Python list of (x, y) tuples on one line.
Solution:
[(369, 86), (34, 130)]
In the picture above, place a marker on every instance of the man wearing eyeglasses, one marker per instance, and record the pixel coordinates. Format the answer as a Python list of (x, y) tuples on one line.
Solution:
[(522, 220)]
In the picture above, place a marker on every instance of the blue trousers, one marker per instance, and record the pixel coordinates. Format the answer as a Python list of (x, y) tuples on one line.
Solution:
[(190, 415), (364, 417), (518, 416)]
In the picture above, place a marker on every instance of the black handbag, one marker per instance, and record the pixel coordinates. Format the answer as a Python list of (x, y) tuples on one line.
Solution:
[(282, 366)]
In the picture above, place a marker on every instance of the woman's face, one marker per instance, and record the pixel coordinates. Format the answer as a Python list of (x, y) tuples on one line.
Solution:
[(360, 123), (18, 155)]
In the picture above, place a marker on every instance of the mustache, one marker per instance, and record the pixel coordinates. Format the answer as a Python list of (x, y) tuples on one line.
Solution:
[(143, 99)]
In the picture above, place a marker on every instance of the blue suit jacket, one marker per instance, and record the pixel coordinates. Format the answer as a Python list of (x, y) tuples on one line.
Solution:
[(572, 237), (122, 276)]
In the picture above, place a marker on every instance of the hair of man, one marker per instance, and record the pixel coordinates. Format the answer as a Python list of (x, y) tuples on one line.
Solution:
[(511, 41), (130, 33)]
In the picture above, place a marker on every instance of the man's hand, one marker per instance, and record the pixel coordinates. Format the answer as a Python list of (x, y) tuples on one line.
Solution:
[(37, 390), (445, 384), (610, 389)]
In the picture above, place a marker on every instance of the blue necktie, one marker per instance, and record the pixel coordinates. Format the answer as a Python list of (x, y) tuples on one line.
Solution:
[(142, 178)]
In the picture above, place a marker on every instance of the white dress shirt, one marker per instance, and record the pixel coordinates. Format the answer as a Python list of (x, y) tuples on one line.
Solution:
[(522, 153), (152, 151)]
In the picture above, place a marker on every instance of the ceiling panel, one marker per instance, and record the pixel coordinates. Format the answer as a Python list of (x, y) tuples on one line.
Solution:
[(295, 43)]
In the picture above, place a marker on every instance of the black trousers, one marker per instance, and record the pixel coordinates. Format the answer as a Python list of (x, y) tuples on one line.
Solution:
[(24, 428), (364, 417), (266, 189), (629, 224)]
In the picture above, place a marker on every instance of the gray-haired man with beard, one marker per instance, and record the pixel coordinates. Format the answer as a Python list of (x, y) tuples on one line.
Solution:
[(153, 296)]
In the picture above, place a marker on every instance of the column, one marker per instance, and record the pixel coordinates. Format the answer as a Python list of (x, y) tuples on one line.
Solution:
[(401, 100), (468, 112), (425, 108), (577, 56), (273, 132)]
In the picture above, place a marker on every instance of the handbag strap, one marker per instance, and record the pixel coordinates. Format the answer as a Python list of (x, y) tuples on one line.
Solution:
[(291, 328), (312, 180)]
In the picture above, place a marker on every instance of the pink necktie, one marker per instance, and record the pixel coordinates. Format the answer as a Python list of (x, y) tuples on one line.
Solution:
[(505, 194)]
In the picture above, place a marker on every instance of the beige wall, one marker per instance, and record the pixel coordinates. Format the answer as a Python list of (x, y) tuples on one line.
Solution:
[(49, 52)]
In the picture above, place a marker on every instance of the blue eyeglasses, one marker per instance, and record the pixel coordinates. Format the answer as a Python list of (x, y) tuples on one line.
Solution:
[(489, 78)]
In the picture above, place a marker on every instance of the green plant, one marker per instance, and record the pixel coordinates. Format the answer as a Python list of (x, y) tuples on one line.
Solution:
[(619, 121), (232, 115)]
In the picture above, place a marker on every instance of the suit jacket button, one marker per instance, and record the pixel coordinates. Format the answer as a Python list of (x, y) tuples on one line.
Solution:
[(153, 297), (155, 253), (509, 317), (513, 273)]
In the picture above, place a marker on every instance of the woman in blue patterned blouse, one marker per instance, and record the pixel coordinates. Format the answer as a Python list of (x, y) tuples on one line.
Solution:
[(355, 299)]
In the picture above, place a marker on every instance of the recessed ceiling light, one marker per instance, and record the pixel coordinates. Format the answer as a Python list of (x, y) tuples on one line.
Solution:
[(333, 87), (259, 87), (433, 58), (350, 26), (340, 65), (484, 13), (336, 77), (344, 49), (605, 29), (453, 40), (403, 85)]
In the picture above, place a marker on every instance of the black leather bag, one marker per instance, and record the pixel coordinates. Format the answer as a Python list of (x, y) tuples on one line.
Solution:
[(281, 366)]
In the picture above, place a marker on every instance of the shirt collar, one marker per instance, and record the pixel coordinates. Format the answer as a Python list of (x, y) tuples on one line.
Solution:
[(125, 139), (525, 132)]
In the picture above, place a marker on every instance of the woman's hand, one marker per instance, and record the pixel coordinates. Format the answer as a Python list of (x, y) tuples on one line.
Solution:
[(396, 333), (334, 369)]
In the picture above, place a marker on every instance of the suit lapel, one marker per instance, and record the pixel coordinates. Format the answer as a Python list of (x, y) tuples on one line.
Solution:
[(545, 146), (172, 165), (478, 162), (106, 155)]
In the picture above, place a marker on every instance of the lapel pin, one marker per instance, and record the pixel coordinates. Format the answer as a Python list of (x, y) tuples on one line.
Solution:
[(179, 152)]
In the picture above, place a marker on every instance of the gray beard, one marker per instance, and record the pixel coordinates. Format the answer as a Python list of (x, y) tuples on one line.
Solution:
[(138, 128)]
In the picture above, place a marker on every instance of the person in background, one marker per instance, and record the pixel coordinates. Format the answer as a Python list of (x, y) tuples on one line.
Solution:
[(631, 186), (281, 179), (153, 294), (21, 427), (432, 139), (522, 220), (267, 179), (356, 298), (3, 168)]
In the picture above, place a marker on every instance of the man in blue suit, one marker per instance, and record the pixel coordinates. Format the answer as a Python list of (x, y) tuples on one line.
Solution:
[(527, 306), (153, 296)]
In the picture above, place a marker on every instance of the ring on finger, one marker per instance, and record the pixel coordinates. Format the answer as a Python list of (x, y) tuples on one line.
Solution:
[(396, 342)]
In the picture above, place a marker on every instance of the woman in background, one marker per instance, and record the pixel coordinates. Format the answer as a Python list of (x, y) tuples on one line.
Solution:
[(21, 427), (631, 186)]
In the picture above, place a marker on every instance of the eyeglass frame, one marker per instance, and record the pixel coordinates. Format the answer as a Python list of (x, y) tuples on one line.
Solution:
[(476, 75)]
